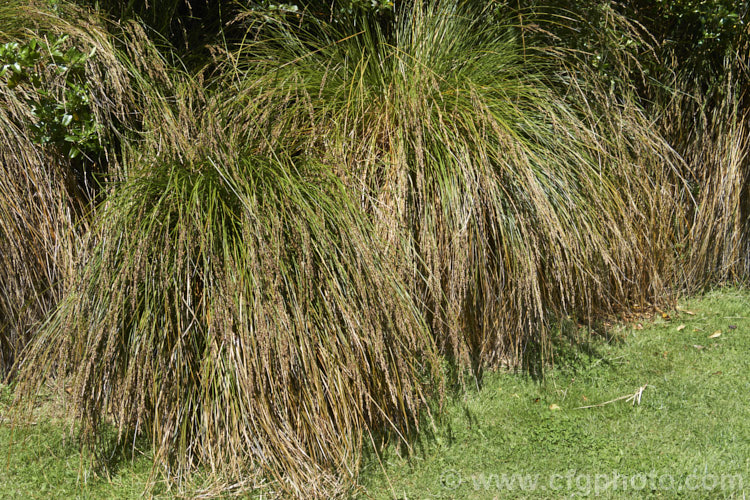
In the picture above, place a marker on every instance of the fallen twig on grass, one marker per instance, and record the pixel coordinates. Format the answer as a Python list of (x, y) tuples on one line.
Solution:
[(635, 397)]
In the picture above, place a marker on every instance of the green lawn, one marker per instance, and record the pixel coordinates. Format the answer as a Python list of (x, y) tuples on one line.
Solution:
[(688, 437), (42, 461)]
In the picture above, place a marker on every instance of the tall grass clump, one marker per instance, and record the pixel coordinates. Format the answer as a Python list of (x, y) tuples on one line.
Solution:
[(235, 309), (518, 199), (687, 63), (223, 296), (706, 117), (67, 96), (36, 238)]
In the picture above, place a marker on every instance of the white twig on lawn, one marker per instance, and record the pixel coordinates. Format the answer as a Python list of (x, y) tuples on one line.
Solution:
[(635, 398)]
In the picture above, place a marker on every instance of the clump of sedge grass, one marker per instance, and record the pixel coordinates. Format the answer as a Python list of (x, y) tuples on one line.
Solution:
[(719, 244), (240, 315), (45, 194), (707, 121), (223, 298), (518, 202)]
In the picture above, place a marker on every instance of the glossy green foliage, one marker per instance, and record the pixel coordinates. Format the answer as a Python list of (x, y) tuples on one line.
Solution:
[(51, 77)]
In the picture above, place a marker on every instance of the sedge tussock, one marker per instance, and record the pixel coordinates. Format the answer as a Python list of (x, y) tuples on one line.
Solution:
[(715, 141), (515, 201), (240, 316), (47, 197)]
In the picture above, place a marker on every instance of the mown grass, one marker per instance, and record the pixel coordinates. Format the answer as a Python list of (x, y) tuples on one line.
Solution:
[(42, 460), (691, 427)]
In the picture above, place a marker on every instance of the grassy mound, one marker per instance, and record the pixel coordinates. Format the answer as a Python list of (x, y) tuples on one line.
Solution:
[(522, 191), (68, 93), (241, 316)]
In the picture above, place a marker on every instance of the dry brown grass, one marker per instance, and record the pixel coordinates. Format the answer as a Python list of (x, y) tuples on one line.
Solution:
[(521, 190), (46, 197), (710, 129)]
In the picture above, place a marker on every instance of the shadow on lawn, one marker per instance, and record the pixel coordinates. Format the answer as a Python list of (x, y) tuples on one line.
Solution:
[(43, 439), (111, 455), (573, 346)]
